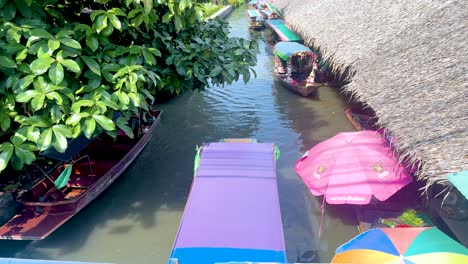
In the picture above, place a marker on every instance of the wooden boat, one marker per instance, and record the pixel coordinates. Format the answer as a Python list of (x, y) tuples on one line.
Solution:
[(281, 32), (258, 4), (272, 8), (232, 213), (295, 67), (268, 14), (361, 119), (256, 19), (88, 167)]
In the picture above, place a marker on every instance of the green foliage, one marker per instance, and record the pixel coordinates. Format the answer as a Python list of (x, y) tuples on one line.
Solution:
[(67, 66), (410, 217), (235, 3), (210, 9)]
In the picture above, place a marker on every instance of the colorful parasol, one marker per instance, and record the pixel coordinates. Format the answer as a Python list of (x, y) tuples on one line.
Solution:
[(402, 246)]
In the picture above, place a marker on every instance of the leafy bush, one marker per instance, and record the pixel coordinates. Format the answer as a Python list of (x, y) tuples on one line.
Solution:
[(67, 66), (235, 3), (210, 9)]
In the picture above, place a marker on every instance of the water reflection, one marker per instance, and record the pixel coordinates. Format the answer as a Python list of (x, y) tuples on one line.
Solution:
[(135, 220)]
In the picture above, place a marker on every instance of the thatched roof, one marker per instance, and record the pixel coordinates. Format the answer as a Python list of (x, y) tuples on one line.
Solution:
[(409, 62)]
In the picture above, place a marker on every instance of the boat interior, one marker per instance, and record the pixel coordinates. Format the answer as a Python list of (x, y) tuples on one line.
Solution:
[(87, 167)]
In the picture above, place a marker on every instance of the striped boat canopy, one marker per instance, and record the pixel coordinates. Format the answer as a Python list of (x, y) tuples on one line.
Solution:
[(285, 50), (285, 33), (232, 212), (253, 13)]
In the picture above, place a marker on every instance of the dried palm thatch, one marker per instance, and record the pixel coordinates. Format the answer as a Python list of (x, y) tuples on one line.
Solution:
[(408, 60)]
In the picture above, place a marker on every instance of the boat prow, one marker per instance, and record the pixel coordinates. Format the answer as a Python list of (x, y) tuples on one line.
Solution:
[(32, 225)]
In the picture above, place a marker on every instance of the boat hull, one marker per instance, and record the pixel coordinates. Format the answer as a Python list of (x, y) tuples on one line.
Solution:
[(38, 219), (297, 87)]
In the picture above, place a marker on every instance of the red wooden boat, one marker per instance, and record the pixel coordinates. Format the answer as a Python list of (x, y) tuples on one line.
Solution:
[(295, 66), (97, 164)]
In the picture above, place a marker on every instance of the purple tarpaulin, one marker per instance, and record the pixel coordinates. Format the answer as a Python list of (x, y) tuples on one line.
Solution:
[(233, 202)]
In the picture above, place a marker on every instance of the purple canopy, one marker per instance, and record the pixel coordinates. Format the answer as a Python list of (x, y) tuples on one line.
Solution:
[(233, 207)]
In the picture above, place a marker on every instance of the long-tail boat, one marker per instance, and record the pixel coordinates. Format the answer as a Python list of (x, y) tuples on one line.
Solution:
[(85, 170), (295, 67), (273, 8), (256, 19), (232, 212), (268, 14), (281, 32)]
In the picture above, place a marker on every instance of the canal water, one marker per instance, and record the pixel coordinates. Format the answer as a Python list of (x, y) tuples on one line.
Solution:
[(136, 220)]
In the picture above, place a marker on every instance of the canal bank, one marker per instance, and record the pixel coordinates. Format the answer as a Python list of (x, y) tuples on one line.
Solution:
[(135, 221)]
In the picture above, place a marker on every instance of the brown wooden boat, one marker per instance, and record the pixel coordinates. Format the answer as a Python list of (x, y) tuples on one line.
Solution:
[(295, 66), (361, 119), (97, 164)]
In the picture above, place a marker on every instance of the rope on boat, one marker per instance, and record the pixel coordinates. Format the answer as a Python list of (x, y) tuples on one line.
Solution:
[(196, 161), (277, 152)]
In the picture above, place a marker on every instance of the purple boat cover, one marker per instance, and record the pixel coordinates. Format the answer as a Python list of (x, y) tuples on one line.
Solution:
[(233, 202)]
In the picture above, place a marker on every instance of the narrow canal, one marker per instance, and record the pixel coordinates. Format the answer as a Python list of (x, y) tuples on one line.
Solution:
[(135, 221)]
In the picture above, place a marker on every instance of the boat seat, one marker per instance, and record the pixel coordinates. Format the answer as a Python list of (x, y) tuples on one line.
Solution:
[(74, 193), (82, 182)]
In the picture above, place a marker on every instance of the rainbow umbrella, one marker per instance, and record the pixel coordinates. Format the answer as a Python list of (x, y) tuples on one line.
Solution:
[(402, 246)]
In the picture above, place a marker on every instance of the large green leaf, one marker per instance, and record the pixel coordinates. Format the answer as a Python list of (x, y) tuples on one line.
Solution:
[(33, 133), (20, 56), (38, 121), (24, 153), (60, 139), (6, 62), (78, 104), (8, 12), (149, 57), (92, 64), (37, 32), (53, 44), (115, 21), (71, 65), (56, 73), (126, 129), (101, 23), (70, 43), (88, 127), (184, 3), (75, 118), (62, 129), (38, 102), (92, 42), (5, 121), (104, 122), (45, 139), (6, 151), (14, 34), (27, 96), (40, 66), (55, 96), (117, 11)]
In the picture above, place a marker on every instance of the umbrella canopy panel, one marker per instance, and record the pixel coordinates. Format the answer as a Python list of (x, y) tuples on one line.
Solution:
[(351, 167), (402, 245)]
